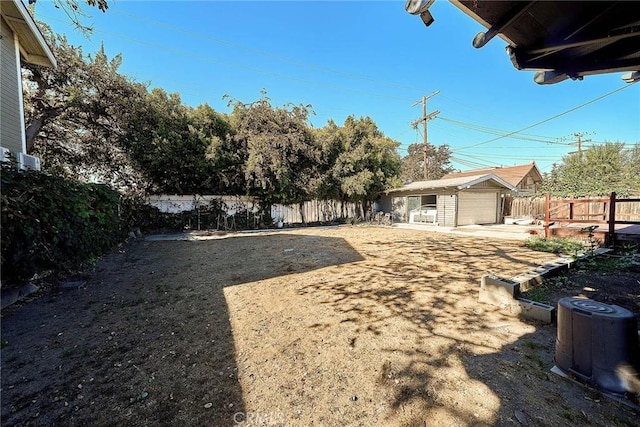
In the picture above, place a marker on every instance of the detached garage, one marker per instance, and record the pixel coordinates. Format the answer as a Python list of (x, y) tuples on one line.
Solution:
[(449, 202)]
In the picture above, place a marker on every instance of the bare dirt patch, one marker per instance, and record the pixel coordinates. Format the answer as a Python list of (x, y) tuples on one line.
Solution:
[(335, 326)]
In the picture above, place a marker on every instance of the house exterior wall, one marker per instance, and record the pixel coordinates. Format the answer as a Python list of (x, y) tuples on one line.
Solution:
[(529, 185), (10, 86), (447, 205), (447, 202)]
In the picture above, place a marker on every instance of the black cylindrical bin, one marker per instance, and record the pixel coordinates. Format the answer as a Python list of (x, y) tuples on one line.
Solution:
[(594, 339)]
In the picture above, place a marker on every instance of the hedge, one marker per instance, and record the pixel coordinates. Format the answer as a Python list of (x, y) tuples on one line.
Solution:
[(52, 223)]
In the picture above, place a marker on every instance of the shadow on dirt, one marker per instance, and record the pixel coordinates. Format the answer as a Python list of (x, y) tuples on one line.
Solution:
[(453, 360), (148, 341)]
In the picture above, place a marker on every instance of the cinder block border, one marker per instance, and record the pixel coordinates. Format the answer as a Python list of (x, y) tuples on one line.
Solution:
[(505, 293)]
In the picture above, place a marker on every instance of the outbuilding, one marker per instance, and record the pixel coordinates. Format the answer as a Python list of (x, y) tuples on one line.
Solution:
[(451, 202)]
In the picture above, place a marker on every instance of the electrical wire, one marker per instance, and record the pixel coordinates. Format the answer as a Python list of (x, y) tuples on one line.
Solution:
[(266, 53), (493, 131), (241, 66), (553, 117)]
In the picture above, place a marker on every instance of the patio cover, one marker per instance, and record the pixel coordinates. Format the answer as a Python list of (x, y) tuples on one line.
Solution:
[(562, 39)]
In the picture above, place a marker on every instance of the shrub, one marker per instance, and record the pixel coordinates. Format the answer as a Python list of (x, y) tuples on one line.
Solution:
[(558, 245), (52, 223)]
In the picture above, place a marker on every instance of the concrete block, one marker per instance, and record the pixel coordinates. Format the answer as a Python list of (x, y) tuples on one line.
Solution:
[(534, 310), (528, 280), (498, 291)]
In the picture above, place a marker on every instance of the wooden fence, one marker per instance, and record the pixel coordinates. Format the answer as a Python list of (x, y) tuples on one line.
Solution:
[(534, 207), (234, 206), (592, 211)]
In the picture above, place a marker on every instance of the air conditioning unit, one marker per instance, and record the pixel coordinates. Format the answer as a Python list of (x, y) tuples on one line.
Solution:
[(594, 341), (5, 155), (26, 162)]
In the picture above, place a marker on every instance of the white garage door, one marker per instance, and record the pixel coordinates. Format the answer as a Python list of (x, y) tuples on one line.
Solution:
[(477, 208)]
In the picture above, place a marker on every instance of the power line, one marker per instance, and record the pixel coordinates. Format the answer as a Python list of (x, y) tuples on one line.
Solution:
[(240, 66), (468, 163), (493, 131), (265, 53), (552, 117)]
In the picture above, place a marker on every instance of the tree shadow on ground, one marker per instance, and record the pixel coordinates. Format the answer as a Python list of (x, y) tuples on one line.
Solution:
[(448, 360), (148, 341)]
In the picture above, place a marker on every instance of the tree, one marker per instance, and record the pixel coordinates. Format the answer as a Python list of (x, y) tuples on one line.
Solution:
[(74, 11), (227, 157), (281, 163), (598, 170), (364, 162), (438, 162), (75, 113), (169, 141)]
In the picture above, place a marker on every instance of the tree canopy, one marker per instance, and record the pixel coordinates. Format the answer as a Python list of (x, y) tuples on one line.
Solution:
[(359, 161), (75, 12), (74, 114), (599, 170), (281, 154), (438, 162), (87, 121)]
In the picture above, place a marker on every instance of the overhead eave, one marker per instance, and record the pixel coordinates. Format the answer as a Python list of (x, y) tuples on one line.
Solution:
[(560, 40), (33, 47), (479, 20)]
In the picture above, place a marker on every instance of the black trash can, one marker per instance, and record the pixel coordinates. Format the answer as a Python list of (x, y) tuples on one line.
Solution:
[(594, 339)]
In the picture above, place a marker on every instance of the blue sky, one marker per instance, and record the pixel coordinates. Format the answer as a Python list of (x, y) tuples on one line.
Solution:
[(361, 58)]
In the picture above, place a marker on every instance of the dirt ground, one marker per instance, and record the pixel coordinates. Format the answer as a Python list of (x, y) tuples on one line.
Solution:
[(343, 326)]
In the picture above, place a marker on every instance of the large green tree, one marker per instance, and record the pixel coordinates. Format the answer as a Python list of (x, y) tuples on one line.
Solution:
[(438, 162), (599, 170), (175, 146), (361, 161), (282, 157), (75, 113)]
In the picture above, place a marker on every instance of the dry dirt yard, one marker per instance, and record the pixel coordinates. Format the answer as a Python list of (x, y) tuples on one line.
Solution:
[(343, 326)]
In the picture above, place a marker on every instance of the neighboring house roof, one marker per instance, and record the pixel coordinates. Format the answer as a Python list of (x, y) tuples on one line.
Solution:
[(33, 46), (558, 39), (512, 174), (458, 183)]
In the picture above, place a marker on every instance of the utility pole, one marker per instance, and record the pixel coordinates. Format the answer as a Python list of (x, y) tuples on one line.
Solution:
[(425, 117), (579, 142)]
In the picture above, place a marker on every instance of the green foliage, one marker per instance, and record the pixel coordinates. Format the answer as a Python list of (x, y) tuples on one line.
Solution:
[(76, 113), (597, 171), (609, 262), (558, 245), (281, 155), (176, 147), (541, 292), (86, 121), (438, 162), (359, 162), (50, 222)]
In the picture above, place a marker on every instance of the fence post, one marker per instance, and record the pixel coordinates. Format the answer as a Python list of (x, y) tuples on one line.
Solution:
[(547, 216), (612, 220)]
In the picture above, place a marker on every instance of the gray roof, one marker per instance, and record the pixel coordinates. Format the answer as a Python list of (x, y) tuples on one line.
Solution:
[(458, 183)]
